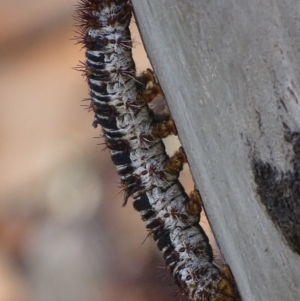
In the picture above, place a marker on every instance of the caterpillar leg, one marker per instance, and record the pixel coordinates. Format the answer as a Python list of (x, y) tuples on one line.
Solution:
[(164, 129), (175, 164), (148, 87), (195, 203), (227, 272), (227, 285)]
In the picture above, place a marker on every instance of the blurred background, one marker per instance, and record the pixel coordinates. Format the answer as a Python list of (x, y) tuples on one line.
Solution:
[(64, 234)]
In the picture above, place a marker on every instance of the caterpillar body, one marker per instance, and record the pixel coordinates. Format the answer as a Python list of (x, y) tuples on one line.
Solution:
[(133, 133)]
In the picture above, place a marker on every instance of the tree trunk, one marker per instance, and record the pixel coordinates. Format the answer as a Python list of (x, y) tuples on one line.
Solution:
[(230, 72)]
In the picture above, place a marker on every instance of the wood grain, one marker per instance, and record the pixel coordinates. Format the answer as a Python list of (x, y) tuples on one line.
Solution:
[(230, 72)]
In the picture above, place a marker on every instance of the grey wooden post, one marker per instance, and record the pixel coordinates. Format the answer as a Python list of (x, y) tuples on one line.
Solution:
[(230, 72)]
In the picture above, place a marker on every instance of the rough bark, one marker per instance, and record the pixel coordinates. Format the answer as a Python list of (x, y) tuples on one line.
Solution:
[(230, 72)]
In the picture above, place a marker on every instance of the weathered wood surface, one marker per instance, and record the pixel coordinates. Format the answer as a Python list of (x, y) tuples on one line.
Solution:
[(230, 72)]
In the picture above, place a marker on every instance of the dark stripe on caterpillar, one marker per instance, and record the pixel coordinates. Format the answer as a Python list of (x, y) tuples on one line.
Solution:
[(98, 89), (141, 203), (95, 57), (164, 242), (160, 233), (106, 122), (149, 214), (121, 157), (153, 225)]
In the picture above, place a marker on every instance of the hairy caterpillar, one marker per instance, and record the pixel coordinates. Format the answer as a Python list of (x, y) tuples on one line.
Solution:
[(134, 135)]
